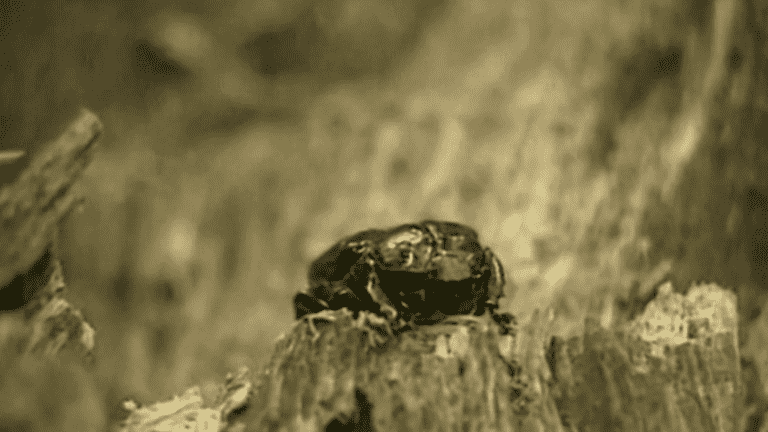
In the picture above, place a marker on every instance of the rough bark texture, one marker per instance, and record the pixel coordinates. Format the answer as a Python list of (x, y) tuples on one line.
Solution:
[(32, 206), (30, 210), (44, 386), (440, 377), (676, 367), (55, 322)]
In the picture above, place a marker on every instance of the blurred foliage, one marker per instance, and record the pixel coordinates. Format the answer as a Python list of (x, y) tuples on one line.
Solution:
[(590, 144)]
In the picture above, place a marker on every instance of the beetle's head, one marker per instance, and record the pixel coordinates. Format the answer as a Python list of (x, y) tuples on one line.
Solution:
[(407, 248), (459, 255)]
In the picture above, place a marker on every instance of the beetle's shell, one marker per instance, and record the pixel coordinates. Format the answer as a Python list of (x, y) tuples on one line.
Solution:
[(424, 271), (334, 264)]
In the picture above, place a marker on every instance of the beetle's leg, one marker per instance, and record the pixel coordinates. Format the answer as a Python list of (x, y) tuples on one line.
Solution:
[(326, 315), (380, 298), (496, 280), (364, 322), (305, 304), (370, 319), (409, 324)]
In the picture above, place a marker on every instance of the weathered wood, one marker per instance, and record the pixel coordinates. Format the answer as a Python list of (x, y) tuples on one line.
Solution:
[(32, 206), (675, 367), (55, 322), (443, 377), (190, 410)]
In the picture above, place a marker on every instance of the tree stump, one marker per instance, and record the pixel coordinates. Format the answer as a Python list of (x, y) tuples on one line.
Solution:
[(675, 367)]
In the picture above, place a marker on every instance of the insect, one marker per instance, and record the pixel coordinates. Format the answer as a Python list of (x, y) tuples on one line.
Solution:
[(410, 275)]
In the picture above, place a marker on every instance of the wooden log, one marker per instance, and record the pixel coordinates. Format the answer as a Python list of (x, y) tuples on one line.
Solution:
[(32, 206), (675, 367), (442, 377)]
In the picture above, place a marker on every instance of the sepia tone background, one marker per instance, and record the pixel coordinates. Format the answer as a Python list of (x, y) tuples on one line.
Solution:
[(598, 147)]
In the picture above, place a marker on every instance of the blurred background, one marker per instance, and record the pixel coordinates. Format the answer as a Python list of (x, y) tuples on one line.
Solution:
[(599, 147)]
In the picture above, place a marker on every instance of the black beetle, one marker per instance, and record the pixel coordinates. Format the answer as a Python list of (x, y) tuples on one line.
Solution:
[(415, 273)]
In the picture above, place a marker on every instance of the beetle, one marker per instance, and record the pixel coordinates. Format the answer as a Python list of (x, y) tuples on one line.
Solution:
[(409, 275)]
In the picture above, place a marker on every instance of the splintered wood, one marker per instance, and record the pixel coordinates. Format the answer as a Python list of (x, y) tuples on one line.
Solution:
[(32, 206)]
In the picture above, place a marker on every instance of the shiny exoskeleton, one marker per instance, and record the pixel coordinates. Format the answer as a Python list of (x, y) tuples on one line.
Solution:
[(416, 274)]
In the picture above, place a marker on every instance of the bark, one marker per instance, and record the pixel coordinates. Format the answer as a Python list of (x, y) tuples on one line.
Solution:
[(675, 367), (32, 206)]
